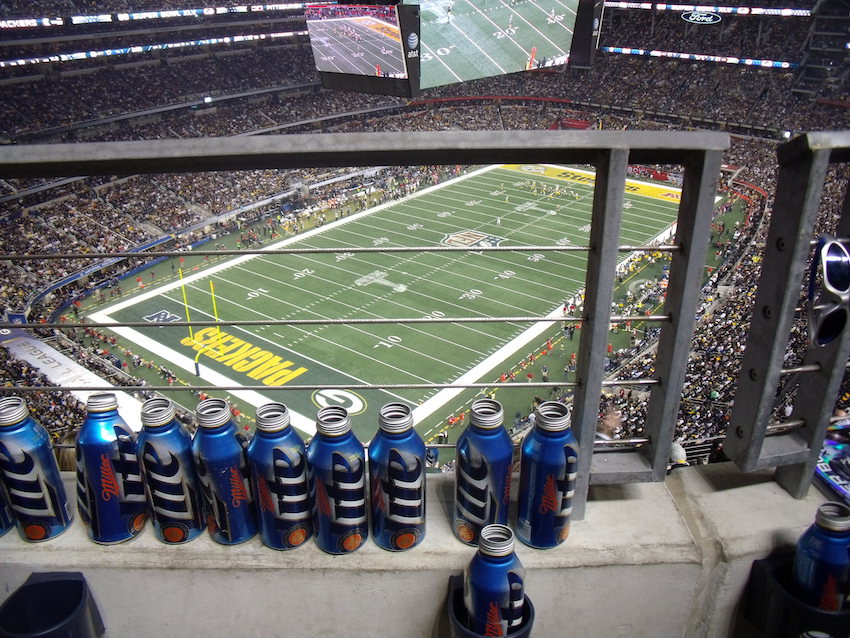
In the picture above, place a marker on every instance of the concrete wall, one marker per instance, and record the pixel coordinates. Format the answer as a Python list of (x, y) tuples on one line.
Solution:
[(652, 560)]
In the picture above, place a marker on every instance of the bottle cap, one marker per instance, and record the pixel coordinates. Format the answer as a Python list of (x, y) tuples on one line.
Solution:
[(157, 412), (486, 413), (552, 416), (102, 402), (333, 421), (833, 516), (395, 418), (272, 417), (496, 540), (213, 413), (13, 410)]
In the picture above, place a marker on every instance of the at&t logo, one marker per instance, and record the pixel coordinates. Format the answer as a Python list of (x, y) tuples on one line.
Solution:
[(413, 45)]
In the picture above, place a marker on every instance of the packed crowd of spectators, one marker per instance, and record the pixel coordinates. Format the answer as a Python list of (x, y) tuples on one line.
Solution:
[(101, 215), (745, 36), (27, 8), (748, 95)]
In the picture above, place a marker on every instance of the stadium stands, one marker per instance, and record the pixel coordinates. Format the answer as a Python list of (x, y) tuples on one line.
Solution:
[(621, 91)]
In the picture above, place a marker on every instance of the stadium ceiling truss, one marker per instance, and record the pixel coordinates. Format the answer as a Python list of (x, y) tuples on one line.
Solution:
[(803, 164)]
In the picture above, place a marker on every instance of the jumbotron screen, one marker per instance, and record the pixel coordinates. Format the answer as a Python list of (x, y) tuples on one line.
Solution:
[(464, 40), (356, 39)]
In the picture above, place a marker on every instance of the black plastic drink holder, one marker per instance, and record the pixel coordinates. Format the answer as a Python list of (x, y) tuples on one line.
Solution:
[(772, 608), (51, 605), (457, 612)]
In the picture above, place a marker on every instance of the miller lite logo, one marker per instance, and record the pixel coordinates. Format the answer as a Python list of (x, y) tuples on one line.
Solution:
[(121, 476), (475, 501), (231, 493), (288, 485), (399, 497), (175, 504), (343, 501), (35, 502), (283, 496)]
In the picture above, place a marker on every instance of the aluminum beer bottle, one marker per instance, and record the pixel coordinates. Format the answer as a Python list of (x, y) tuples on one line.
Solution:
[(483, 473), (222, 466), (174, 494), (30, 474), (7, 519), (821, 570), (397, 480), (547, 478), (278, 462), (493, 592), (337, 476), (110, 492)]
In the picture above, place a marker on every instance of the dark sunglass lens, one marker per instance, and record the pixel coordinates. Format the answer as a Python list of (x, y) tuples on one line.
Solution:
[(831, 325), (837, 268)]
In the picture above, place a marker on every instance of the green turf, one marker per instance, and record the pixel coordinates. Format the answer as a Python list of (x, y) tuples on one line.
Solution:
[(494, 203), (490, 37)]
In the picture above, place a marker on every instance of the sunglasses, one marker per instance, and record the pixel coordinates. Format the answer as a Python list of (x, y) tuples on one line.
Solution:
[(828, 313)]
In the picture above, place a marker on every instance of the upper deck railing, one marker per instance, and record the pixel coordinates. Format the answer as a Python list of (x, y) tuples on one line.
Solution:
[(803, 162)]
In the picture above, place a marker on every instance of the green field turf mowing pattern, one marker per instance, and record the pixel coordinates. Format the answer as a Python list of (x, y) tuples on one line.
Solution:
[(476, 39), (491, 206)]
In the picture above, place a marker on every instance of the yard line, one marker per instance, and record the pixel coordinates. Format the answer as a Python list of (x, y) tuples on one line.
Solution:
[(224, 300), (387, 300), (445, 264), (211, 270), (308, 358), (341, 288), (475, 44), (516, 13), (439, 59)]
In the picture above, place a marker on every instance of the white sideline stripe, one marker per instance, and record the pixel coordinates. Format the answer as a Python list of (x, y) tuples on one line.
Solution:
[(212, 270), (474, 374), (299, 421)]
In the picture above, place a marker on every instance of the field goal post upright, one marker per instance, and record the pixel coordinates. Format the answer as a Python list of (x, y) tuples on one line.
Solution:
[(194, 342)]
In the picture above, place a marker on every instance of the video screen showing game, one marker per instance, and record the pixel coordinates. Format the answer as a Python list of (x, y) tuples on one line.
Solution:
[(356, 39), (464, 40)]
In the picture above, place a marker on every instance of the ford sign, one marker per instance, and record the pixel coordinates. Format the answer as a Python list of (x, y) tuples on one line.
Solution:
[(701, 17)]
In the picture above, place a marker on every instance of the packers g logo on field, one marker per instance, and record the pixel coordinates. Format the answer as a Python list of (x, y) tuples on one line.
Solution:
[(351, 401)]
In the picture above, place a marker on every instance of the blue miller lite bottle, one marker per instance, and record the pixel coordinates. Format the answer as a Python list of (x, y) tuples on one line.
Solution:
[(110, 491), (493, 591), (7, 519), (30, 474), (174, 494), (822, 564), (547, 478), (483, 474), (397, 479), (337, 475), (278, 463), (222, 467)]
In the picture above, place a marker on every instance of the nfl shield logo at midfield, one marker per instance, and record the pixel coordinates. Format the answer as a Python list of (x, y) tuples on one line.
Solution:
[(471, 239)]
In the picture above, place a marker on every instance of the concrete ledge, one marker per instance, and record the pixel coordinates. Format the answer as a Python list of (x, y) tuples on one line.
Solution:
[(649, 560)]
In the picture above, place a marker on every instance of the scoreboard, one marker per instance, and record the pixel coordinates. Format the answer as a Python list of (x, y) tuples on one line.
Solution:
[(405, 48)]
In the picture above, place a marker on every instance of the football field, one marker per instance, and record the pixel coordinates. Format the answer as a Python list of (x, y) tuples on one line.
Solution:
[(360, 45), (464, 39), (506, 205)]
